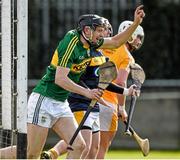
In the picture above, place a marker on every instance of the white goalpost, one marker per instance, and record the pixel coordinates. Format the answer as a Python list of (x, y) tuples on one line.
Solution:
[(6, 75), (22, 50), (14, 49), (6, 51)]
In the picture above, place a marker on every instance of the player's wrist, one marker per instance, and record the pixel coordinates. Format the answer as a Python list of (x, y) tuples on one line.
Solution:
[(121, 111), (121, 108), (85, 92), (126, 92)]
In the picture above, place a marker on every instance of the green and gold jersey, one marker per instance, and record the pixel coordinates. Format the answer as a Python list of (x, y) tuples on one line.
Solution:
[(70, 53)]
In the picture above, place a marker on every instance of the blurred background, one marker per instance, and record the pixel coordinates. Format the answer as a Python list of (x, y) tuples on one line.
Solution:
[(157, 112)]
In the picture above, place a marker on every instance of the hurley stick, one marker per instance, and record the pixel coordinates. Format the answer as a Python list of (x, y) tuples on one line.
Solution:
[(138, 77), (107, 73)]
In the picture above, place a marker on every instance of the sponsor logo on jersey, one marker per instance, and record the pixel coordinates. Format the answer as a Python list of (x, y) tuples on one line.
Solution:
[(78, 68), (96, 61)]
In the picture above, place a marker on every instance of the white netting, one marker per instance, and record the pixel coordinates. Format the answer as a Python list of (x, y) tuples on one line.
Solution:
[(13, 40), (7, 73)]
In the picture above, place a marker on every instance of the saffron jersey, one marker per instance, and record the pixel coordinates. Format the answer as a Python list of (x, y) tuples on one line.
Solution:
[(122, 58)]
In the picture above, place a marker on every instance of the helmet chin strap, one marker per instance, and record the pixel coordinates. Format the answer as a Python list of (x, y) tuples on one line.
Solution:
[(91, 35), (88, 40)]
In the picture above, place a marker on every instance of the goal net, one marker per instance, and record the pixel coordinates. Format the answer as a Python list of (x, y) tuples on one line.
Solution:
[(13, 76)]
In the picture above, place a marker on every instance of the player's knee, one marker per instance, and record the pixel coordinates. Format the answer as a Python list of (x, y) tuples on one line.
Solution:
[(95, 149), (108, 144), (105, 145), (79, 145), (86, 149)]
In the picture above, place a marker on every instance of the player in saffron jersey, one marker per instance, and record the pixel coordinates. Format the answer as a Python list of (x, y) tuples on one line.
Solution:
[(122, 58), (79, 105)]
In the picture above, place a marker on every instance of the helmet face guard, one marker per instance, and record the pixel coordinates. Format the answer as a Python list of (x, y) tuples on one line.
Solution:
[(138, 33), (92, 21), (108, 26)]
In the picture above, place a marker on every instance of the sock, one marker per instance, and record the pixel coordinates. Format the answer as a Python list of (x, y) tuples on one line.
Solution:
[(54, 153)]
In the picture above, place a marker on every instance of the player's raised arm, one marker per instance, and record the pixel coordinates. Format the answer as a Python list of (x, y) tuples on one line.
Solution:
[(121, 38)]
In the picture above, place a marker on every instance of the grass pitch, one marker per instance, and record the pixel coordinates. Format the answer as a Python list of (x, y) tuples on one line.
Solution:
[(137, 155)]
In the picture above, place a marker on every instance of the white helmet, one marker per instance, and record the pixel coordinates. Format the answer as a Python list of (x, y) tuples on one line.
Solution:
[(138, 32)]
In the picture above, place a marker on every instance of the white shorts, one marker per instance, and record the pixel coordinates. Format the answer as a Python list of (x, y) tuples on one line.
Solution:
[(44, 111), (108, 117), (92, 121)]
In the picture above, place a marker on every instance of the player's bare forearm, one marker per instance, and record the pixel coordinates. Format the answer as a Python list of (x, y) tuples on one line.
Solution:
[(121, 38), (121, 100), (63, 81)]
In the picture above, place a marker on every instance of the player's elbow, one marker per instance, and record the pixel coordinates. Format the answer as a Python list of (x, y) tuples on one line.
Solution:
[(59, 81), (116, 44)]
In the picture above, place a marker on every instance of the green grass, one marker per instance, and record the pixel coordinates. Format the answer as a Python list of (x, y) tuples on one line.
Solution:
[(136, 154), (133, 154)]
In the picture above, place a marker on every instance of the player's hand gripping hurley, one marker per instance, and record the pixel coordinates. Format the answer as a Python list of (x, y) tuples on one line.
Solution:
[(138, 77), (107, 73)]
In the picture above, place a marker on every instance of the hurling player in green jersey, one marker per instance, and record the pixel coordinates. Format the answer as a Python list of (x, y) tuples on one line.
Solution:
[(47, 104)]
